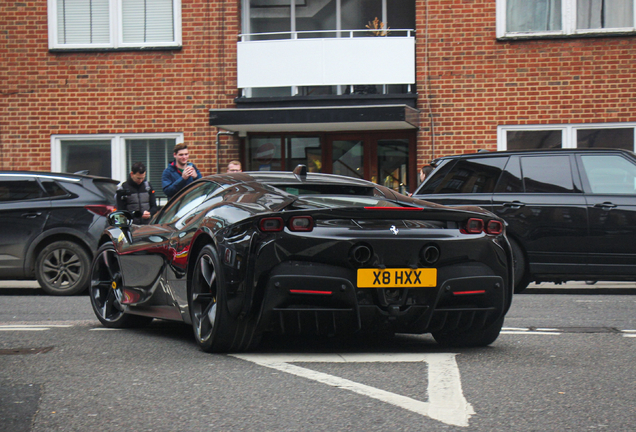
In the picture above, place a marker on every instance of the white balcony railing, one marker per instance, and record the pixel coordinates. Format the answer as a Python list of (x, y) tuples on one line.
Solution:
[(346, 58)]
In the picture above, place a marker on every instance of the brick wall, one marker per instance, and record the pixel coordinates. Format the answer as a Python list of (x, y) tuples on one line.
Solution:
[(45, 93), (477, 83)]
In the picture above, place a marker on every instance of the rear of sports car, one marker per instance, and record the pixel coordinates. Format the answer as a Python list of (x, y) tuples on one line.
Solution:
[(339, 265)]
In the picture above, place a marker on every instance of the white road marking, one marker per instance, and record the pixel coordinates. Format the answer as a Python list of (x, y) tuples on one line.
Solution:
[(104, 329), (528, 332), (31, 327), (446, 404)]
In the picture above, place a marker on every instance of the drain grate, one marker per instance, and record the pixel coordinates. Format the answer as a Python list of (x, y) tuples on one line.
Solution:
[(22, 351)]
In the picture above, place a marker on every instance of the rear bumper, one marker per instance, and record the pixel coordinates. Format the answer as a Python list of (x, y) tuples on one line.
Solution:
[(309, 298)]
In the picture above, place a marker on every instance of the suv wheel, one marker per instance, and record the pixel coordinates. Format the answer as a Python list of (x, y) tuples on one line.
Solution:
[(62, 268), (521, 274)]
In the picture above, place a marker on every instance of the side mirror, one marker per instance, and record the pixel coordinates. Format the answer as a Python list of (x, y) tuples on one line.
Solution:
[(120, 219)]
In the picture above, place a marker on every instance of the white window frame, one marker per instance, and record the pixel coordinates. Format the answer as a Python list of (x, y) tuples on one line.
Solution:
[(117, 148), (568, 131), (116, 30), (568, 25)]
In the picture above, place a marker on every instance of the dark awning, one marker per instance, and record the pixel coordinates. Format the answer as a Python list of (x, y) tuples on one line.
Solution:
[(316, 119)]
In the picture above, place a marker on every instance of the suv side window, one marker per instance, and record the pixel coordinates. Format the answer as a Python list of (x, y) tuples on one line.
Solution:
[(20, 190), (547, 174), (511, 181), (609, 174), (477, 175)]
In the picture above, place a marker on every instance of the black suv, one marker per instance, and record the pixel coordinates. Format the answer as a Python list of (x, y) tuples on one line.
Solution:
[(50, 226), (571, 213)]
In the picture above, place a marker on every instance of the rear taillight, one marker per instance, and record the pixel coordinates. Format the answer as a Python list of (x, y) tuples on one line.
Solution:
[(271, 224), (494, 227), (474, 226), (101, 209), (301, 223), (477, 226)]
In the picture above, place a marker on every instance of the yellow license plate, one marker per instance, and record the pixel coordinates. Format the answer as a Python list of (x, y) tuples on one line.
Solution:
[(397, 278)]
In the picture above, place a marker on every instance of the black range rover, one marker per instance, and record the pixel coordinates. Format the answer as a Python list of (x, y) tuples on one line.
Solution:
[(49, 227), (571, 213)]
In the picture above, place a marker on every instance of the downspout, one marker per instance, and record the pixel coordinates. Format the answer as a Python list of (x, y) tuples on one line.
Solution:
[(218, 147)]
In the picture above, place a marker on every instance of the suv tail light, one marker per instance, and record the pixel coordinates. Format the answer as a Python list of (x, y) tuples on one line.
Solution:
[(100, 209), (271, 224)]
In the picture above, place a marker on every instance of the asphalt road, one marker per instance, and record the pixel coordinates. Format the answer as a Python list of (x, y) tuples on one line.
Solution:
[(563, 362)]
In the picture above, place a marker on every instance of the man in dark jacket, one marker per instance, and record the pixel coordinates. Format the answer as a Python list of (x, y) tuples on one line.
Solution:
[(137, 195), (179, 173)]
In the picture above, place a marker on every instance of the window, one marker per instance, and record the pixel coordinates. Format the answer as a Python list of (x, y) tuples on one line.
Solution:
[(547, 174), (114, 24), (523, 18), (112, 155), (20, 190), (477, 175), (601, 135), (607, 174)]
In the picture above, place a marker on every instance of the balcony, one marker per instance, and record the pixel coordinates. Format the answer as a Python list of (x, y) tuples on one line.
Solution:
[(343, 58)]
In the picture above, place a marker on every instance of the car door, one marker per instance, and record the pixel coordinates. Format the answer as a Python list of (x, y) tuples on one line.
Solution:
[(24, 209), (469, 181), (609, 181), (543, 203)]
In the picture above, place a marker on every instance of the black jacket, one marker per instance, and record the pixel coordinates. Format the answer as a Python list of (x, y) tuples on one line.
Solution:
[(136, 198)]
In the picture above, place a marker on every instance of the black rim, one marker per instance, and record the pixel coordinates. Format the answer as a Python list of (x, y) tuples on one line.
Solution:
[(204, 298), (106, 286), (62, 269)]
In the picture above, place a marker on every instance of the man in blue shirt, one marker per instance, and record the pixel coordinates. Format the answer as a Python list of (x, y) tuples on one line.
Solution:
[(180, 172)]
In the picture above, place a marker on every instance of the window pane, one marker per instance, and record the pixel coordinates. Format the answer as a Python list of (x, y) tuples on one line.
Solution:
[(20, 190), (596, 14), (83, 22), (609, 174), (510, 181), (393, 162), (306, 151), (268, 16), (264, 154), (533, 16), (357, 14), (156, 154), (145, 22), (549, 174), (475, 176), (94, 156), (347, 158), (316, 15), (606, 138), (528, 140)]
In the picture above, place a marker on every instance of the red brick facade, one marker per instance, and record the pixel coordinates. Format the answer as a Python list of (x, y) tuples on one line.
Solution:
[(473, 82), (477, 83)]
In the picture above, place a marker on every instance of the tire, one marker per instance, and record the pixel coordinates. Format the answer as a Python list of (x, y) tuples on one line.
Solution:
[(470, 338), (105, 291), (522, 279), (62, 268), (215, 330)]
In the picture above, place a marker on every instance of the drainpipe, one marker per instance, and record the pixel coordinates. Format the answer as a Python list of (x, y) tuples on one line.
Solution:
[(218, 147)]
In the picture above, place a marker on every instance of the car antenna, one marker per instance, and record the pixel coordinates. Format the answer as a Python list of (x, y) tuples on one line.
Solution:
[(301, 172)]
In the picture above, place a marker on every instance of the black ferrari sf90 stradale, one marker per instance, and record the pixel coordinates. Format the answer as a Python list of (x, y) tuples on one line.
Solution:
[(238, 255)]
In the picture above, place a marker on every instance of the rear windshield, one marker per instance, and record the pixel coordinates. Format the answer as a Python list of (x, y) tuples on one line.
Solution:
[(108, 189), (343, 201), (326, 189)]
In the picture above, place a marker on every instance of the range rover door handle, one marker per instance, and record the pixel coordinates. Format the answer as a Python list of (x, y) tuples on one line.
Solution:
[(514, 204), (31, 215), (605, 205)]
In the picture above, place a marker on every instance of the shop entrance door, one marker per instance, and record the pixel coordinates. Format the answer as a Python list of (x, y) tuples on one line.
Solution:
[(386, 158)]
